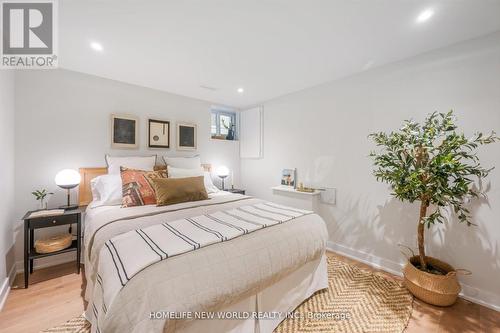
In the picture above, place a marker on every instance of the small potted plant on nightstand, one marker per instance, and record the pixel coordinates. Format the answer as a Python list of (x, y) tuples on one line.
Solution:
[(40, 195), (434, 164)]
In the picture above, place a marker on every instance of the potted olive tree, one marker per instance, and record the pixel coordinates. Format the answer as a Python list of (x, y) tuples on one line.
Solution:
[(435, 165)]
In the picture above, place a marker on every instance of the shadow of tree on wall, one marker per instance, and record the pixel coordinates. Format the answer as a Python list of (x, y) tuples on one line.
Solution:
[(395, 222)]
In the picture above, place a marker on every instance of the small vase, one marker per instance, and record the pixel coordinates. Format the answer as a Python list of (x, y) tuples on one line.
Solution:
[(230, 134), (43, 204)]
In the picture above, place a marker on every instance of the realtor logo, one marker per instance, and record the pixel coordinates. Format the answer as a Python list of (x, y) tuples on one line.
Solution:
[(28, 34)]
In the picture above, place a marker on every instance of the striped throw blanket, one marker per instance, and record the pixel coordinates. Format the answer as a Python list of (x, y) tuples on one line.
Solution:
[(126, 255)]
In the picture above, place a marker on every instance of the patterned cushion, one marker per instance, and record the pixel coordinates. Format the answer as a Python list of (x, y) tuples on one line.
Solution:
[(136, 186)]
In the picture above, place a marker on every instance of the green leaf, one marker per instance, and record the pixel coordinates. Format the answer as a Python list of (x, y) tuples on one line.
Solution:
[(431, 162)]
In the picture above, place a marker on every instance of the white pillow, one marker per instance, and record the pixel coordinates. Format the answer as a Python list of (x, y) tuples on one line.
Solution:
[(209, 185), (109, 189), (146, 163), (193, 162), (93, 188), (183, 173)]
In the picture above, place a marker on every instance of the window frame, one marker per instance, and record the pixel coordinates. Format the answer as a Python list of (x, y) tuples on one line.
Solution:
[(223, 112)]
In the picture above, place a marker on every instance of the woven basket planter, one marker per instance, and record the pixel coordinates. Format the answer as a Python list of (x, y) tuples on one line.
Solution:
[(441, 290), (53, 244)]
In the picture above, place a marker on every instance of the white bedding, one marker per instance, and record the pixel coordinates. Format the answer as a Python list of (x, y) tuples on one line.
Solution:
[(203, 280)]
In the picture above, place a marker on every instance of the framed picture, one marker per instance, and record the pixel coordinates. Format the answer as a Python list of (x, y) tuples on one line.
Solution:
[(124, 131), (186, 136), (159, 134), (289, 177)]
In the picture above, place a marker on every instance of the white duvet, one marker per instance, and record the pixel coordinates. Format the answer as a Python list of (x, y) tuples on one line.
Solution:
[(203, 278)]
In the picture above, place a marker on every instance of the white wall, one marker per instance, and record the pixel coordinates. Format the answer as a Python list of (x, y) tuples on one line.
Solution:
[(7, 179), (63, 121), (323, 132)]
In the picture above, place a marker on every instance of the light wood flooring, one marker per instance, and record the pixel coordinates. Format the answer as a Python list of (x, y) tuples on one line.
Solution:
[(55, 296)]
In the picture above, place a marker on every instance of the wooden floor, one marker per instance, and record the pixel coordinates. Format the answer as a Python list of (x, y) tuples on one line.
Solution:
[(55, 296)]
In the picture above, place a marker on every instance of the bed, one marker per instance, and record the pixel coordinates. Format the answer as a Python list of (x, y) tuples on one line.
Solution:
[(241, 276)]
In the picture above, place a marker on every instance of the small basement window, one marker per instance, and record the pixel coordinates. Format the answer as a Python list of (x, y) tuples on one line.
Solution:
[(223, 124)]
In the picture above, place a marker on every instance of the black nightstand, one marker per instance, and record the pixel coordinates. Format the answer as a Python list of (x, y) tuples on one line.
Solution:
[(30, 224), (235, 190)]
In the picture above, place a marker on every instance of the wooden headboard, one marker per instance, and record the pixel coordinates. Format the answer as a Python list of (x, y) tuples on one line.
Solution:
[(87, 174)]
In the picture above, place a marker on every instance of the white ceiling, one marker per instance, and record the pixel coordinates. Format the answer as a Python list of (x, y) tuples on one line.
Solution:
[(268, 47)]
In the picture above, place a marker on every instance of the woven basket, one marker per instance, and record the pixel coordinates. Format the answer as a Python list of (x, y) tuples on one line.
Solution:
[(441, 290), (53, 244)]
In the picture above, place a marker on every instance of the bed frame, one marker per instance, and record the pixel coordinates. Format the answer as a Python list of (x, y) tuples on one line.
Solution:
[(87, 174)]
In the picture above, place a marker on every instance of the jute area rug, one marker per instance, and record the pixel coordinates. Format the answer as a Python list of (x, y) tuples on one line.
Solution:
[(357, 301)]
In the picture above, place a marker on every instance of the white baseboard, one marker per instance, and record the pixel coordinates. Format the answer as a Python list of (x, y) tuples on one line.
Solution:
[(6, 284), (367, 258), (469, 293)]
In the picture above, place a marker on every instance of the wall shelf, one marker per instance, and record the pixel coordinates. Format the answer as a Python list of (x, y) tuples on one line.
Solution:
[(292, 190)]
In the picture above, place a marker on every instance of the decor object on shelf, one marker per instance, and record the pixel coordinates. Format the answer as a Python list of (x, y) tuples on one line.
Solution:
[(54, 243), (186, 136), (302, 188), (159, 134), (124, 131), (40, 195), (434, 164), (222, 172), (288, 177), (230, 130), (68, 179)]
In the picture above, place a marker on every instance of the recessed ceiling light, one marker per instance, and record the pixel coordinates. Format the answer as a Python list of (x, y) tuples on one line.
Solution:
[(96, 46), (425, 15), (241, 90)]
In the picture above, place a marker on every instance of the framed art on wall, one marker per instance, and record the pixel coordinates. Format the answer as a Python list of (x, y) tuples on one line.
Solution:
[(159, 134), (124, 131), (186, 136)]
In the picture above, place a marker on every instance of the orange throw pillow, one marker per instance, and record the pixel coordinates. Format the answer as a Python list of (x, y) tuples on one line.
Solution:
[(136, 186)]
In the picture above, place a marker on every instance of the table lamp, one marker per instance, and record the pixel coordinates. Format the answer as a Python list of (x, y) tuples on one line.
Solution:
[(68, 179), (222, 172)]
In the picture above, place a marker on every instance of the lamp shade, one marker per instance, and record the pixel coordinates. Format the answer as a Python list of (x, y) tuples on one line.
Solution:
[(68, 178), (222, 171)]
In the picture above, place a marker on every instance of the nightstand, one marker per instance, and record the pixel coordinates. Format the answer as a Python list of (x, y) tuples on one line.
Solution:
[(30, 224), (235, 190)]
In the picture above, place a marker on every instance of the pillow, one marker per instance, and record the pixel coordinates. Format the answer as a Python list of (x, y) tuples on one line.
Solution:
[(109, 189), (94, 190), (183, 173), (170, 191), (209, 185), (131, 162), (193, 162), (136, 186)]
